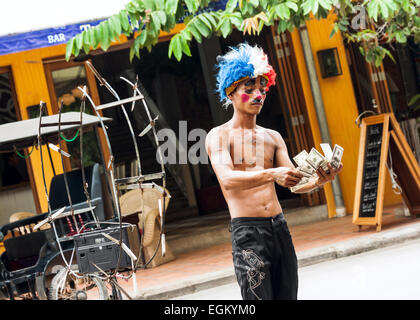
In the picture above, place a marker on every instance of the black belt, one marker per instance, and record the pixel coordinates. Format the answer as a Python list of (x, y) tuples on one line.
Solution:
[(255, 221)]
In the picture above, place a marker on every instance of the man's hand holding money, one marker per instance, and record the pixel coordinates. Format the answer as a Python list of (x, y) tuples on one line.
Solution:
[(325, 177), (317, 170), (286, 177)]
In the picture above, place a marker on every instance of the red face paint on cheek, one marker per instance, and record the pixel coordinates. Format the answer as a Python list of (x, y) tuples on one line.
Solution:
[(244, 97)]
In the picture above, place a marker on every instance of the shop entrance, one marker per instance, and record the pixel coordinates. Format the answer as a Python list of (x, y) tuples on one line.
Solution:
[(391, 87), (183, 95)]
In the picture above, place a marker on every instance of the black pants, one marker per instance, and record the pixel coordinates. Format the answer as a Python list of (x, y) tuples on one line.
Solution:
[(264, 258)]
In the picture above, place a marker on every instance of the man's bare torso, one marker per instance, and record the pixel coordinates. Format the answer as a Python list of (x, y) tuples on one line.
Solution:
[(250, 150)]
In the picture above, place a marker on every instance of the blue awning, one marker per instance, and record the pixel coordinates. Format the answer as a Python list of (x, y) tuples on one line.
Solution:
[(42, 38)]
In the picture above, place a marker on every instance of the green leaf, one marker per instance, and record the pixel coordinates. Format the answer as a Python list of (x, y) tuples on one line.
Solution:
[(254, 3), (194, 32), (104, 35), (406, 5), (282, 27), (326, 4), (201, 27), (310, 5), (142, 37), (414, 99), (125, 24), (283, 11), (334, 30), (132, 52), (292, 6), (401, 37), (388, 53), (205, 21), (170, 48), (177, 47), (192, 5), (384, 9), (226, 28), (162, 17), (186, 35), (87, 42), (159, 4), (78, 40), (149, 4), (185, 47), (171, 6), (210, 18), (69, 48), (134, 20), (231, 5), (373, 8), (155, 21), (236, 19), (115, 26), (135, 48)]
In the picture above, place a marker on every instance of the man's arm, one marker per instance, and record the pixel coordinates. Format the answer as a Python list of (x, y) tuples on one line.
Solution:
[(217, 147)]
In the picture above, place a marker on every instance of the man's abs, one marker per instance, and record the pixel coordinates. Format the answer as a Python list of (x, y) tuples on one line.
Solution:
[(255, 202)]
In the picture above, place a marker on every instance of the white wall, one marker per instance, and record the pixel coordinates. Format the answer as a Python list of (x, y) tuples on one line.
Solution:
[(14, 200)]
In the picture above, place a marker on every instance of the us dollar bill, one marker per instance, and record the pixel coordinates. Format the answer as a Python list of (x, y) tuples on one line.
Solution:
[(303, 166), (326, 148), (300, 184), (316, 159), (336, 156), (301, 157)]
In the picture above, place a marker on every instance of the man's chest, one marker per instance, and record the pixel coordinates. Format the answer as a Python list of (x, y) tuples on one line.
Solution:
[(253, 150)]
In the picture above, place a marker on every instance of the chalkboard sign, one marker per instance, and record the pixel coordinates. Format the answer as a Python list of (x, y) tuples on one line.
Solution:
[(371, 171), (381, 139)]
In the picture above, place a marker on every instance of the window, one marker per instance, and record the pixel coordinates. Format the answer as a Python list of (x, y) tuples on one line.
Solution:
[(13, 169), (63, 82)]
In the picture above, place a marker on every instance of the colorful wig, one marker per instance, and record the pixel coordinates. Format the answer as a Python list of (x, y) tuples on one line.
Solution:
[(240, 63)]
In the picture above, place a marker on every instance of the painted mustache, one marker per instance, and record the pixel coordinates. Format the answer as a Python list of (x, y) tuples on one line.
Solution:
[(258, 100)]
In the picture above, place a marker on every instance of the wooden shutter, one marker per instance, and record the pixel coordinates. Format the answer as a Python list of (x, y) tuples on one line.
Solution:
[(379, 87), (295, 106)]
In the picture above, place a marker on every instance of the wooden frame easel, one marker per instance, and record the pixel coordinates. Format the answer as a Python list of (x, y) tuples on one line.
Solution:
[(394, 146)]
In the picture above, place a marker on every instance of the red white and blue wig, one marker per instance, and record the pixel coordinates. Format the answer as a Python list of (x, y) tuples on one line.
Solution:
[(241, 63)]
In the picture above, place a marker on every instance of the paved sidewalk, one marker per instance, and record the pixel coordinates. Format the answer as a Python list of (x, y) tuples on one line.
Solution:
[(314, 242)]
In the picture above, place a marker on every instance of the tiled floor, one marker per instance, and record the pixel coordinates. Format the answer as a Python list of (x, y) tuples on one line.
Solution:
[(219, 257)]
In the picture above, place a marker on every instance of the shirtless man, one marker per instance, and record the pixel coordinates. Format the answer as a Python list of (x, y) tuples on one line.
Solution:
[(248, 160)]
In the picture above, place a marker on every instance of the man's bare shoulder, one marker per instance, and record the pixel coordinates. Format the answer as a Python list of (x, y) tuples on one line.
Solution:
[(273, 134), (223, 128), (215, 133), (218, 131)]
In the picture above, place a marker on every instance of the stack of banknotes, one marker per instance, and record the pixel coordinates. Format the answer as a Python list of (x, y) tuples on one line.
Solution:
[(308, 163)]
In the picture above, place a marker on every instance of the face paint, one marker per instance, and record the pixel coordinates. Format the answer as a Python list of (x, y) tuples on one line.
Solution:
[(263, 82), (258, 99), (244, 97)]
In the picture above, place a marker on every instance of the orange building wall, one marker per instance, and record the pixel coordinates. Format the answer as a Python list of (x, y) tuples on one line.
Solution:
[(340, 108)]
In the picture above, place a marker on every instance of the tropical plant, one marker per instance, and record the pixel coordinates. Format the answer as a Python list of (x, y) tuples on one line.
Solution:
[(372, 23), (415, 102)]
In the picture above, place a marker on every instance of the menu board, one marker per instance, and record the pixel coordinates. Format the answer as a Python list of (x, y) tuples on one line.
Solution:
[(382, 139), (371, 170), (369, 192)]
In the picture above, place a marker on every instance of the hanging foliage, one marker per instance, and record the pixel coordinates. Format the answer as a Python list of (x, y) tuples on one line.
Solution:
[(371, 22)]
